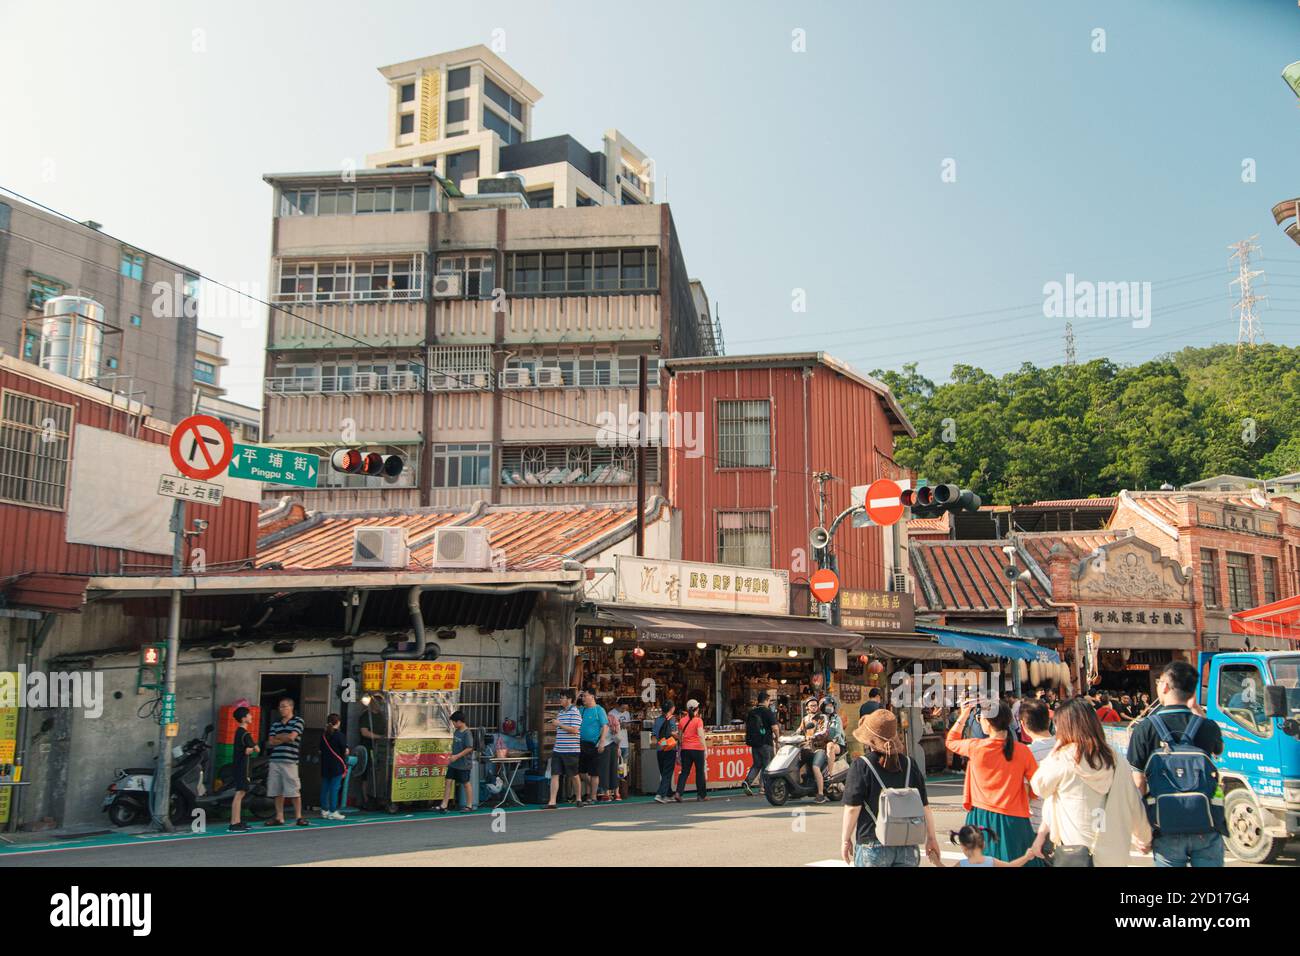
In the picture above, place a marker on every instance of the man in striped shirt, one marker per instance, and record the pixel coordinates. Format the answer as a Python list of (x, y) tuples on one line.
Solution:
[(564, 758), (284, 744)]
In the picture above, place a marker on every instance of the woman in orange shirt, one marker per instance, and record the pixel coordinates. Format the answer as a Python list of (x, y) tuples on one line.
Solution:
[(999, 767)]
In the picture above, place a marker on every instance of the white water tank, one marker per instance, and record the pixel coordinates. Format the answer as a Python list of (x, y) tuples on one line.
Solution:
[(72, 336)]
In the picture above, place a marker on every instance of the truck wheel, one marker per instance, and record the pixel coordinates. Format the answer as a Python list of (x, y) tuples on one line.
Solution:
[(776, 791), (1247, 839)]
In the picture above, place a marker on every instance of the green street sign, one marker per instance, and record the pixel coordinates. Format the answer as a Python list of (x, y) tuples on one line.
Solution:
[(275, 465)]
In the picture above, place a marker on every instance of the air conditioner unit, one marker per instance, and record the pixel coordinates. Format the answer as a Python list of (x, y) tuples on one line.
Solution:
[(463, 548), (380, 548), (900, 581), (515, 378), (550, 377), (401, 382), (365, 382), (446, 286), (482, 379)]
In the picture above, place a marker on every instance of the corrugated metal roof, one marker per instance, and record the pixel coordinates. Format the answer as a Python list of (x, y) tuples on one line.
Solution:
[(969, 576)]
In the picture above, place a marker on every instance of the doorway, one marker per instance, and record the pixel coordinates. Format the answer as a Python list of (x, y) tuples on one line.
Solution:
[(310, 694)]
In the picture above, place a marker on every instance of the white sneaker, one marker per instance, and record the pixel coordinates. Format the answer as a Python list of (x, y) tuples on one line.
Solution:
[(326, 815), (659, 799), (338, 816)]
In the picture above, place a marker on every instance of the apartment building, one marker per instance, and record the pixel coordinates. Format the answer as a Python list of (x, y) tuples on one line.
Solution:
[(143, 341), (489, 337), (244, 421)]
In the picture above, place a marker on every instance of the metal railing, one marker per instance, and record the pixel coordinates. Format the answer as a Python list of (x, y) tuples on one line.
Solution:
[(332, 384)]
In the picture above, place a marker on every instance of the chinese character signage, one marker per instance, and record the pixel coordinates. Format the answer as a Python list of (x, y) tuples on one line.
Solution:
[(693, 586), (277, 465), (877, 611), (187, 489), (410, 675), (1111, 619), (765, 652), (419, 768)]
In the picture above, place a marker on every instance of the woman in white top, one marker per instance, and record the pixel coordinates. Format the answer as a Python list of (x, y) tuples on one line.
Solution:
[(1087, 787)]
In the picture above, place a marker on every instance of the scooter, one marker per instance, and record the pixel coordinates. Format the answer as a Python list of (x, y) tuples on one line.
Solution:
[(786, 775)]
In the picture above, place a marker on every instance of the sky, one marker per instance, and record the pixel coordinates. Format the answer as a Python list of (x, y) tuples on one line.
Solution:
[(887, 180)]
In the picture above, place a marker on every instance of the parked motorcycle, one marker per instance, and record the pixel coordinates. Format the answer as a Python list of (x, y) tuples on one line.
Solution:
[(129, 799), (787, 776)]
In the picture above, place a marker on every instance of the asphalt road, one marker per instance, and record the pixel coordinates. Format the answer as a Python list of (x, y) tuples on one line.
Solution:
[(730, 830)]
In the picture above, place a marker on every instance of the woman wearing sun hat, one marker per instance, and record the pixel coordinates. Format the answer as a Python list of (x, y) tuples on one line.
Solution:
[(884, 764)]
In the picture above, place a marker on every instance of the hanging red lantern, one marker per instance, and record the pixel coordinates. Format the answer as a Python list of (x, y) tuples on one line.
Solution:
[(876, 667), (638, 652), (862, 658)]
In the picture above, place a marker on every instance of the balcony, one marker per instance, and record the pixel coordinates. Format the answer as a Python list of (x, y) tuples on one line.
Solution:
[(344, 384)]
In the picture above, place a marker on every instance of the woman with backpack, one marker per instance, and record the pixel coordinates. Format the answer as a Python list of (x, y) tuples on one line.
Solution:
[(693, 752), (882, 781), (996, 792), (665, 734), (1084, 781)]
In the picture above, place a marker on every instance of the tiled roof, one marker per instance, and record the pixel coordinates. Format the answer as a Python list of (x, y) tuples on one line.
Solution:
[(533, 538), (1076, 544), (921, 527), (1074, 503), (1168, 505), (968, 576)]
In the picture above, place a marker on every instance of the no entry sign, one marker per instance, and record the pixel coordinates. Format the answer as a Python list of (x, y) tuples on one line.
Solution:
[(884, 501), (201, 447), (824, 584)]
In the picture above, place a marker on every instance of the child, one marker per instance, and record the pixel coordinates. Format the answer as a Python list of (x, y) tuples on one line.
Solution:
[(333, 764), (460, 766), (244, 746), (971, 841)]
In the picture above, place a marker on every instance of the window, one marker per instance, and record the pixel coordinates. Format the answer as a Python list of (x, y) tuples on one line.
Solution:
[(458, 79), (744, 439), (585, 200), (1241, 582), (1270, 580), (34, 445), (745, 538), (205, 372), (574, 465), (406, 123), (462, 466), (628, 199), (503, 99), (132, 264), (457, 111), (1210, 577), (480, 701), (1241, 697), (347, 202), (39, 289), (135, 320), (541, 198), (408, 92), (462, 166), (352, 280), (614, 270), (476, 273), (112, 363), (501, 126), (455, 367)]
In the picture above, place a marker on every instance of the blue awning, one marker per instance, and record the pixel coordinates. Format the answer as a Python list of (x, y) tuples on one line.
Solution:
[(990, 646)]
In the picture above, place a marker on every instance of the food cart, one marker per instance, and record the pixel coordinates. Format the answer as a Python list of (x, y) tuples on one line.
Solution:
[(410, 763)]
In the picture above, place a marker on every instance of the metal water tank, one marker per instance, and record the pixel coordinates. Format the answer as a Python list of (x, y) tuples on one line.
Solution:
[(72, 336)]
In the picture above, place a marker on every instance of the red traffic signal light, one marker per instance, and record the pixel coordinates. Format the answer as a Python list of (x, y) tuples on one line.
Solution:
[(354, 461), (150, 655), (930, 501)]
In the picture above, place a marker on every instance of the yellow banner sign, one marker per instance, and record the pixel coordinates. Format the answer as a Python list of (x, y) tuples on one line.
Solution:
[(410, 675), (420, 769)]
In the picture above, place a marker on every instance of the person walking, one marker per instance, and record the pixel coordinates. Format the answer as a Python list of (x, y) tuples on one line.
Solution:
[(1179, 718), (971, 841), (1105, 712), (871, 704), (694, 754), (333, 764), (761, 731), (1036, 721), (282, 781), (564, 755), (1092, 808), (460, 767), (883, 765), (666, 747), (595, 738), (996, 792), (609, 768)]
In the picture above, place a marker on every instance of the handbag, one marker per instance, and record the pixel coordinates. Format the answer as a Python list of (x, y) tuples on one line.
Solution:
[(1077, 855)]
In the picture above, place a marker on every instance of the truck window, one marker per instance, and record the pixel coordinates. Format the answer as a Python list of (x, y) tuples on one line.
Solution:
[(1241, 697), (1286, 671)]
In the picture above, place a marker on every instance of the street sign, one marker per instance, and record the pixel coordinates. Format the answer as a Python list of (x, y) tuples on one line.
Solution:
[(860, 519), (277, 465), (883, 501), (201, 447), (187, 489), (167, 713), (825, 584)]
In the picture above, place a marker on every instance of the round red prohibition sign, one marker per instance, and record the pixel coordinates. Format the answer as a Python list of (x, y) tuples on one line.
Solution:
[(824, 584), (884, 501), (201, 447)]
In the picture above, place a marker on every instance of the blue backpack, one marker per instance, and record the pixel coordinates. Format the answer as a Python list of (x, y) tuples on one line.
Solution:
[(1182, 782)]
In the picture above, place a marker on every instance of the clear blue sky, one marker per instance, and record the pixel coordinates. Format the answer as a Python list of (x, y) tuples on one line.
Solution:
[(817, 170)]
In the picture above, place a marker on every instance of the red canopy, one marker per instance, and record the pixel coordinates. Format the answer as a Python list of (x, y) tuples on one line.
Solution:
[(1279, 619)]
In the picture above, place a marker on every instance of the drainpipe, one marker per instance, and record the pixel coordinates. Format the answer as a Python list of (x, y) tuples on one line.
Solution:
[(35, 638)]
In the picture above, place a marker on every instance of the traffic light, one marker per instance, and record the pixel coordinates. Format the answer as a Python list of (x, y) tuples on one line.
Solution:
[(355, 461), (930, 501), (153, 661)]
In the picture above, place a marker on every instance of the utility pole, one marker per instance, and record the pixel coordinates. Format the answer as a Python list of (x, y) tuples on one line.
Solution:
[(1248, 328), (162, 783), (642, 437)]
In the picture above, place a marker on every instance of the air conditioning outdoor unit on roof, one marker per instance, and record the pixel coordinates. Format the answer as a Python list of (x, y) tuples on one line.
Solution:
[(462, 548), (380, 548)]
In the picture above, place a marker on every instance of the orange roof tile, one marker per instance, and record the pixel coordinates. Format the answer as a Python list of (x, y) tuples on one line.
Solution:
[(1076, 544), (968, 576)]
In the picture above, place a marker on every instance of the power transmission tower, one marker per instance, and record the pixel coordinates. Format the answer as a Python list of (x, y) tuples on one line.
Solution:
[(1069, 344), (1248, 329)]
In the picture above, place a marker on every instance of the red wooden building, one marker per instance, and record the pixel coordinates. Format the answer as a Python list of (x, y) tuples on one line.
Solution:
[(750, 432)]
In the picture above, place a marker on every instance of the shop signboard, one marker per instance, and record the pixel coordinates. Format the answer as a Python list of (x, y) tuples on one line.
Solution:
[(728, 763), (767, 652), (419, 768), (877, 611), (695, 586), (410, 675)]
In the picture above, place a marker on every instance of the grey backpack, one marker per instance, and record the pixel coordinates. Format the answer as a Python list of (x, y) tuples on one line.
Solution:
[(901, 820)]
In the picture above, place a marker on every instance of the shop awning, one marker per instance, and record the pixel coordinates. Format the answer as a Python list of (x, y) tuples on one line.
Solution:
[(690, 627), (990, 646), (1279, 619), (922, 647)]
